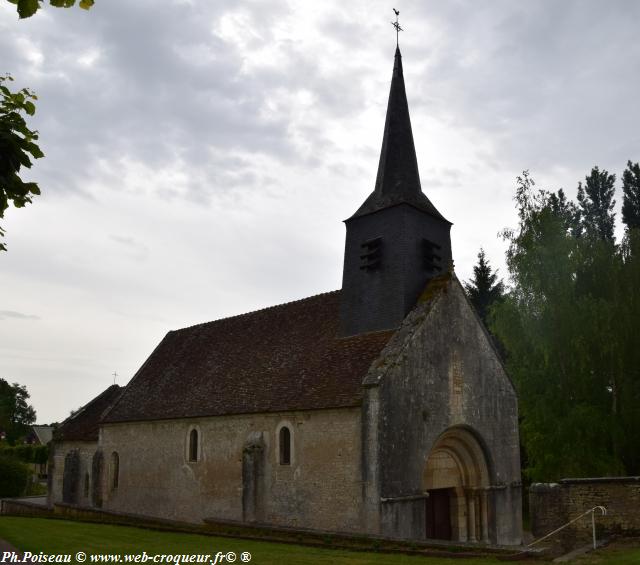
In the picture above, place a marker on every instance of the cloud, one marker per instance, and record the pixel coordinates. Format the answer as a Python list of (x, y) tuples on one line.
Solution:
[(12, 314), (545, 80), (200, 155)]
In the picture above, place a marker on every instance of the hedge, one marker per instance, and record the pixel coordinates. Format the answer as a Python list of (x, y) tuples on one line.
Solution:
[(14, 477), (27, 453)]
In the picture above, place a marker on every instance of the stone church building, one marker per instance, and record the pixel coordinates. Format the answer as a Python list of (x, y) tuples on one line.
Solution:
[(381, 408)]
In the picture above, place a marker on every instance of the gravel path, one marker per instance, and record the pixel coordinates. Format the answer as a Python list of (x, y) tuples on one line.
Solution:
[(6, 546)]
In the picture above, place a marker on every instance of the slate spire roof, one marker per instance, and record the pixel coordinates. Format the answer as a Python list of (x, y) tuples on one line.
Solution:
[(398, 180)]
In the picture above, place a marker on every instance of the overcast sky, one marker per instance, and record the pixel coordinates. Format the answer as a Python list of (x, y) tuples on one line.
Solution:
[(200, 156)]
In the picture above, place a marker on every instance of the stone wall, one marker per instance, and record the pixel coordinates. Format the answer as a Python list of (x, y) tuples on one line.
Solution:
[(22, 507), (59, 452), (321, 488), (555, 504)]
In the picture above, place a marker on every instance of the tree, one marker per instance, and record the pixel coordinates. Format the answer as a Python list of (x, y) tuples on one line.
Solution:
[(631, 196), (596, 204), (569, 325), (568, 211), (26, 8), (16, 415), (484, 289), (17, 145)]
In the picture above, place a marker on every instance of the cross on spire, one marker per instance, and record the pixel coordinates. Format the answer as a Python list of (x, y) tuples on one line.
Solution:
[(115, 376), (397, 26)]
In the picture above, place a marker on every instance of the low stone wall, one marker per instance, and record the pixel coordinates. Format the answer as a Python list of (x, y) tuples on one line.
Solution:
[(23, 507), (553, 504), (87, 514)]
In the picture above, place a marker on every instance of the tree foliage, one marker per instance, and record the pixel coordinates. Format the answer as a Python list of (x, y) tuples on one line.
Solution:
[(484, 289), (26, 8), (596, 204), (17, 147), (17, 141), (631, 196), (16, 415), (569, 325), (26, 453)]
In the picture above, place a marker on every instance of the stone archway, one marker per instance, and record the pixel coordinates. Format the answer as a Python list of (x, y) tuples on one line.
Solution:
[(456, 475)]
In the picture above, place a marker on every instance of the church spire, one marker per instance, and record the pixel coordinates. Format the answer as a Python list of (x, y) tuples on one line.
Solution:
[(398, 180), (398, 167), (397, 240)]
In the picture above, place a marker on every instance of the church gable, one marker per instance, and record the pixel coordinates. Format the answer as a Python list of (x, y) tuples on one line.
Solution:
[(287, 357), (441, 369), (443, 405), (443, 322)]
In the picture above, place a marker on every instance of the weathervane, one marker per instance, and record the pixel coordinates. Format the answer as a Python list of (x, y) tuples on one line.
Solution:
[(397, 26)]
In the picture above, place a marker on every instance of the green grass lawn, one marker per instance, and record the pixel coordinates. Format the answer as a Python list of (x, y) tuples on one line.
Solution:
[(67, 537)]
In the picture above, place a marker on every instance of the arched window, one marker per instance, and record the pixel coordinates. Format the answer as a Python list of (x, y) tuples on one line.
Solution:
[(193, 445), (115, 470), (285, 446), (86, 485)]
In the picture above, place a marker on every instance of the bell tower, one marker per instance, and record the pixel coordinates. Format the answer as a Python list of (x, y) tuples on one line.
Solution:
[(397, 240)]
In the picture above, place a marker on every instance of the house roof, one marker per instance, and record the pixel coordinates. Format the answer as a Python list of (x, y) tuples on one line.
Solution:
[(42, 433), (83, 425), (286, 357)]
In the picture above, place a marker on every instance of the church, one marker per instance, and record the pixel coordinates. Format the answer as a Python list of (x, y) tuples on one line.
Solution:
[(382, 408)]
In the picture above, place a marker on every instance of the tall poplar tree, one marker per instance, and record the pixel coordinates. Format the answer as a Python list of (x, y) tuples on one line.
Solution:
[(596, 204), (631, 196), (569, 324)]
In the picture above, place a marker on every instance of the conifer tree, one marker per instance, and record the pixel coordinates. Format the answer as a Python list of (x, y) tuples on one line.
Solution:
[(484, 289), (631, 196), (596, 205)]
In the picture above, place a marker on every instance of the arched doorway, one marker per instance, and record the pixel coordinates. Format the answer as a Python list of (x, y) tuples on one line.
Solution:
[(456, 476)]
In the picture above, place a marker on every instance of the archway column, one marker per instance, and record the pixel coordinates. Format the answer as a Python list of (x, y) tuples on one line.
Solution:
[(477, 506), (471, 515), (484, 514)]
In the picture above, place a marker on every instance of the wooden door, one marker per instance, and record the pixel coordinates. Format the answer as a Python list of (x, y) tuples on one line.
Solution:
[(438, 514)]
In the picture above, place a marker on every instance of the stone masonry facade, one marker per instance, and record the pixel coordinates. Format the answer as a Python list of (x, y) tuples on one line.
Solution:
[(320, 488), (79, 483)]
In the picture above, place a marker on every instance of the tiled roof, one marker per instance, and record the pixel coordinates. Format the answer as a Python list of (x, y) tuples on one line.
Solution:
[(84, 424), (282, 358)]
